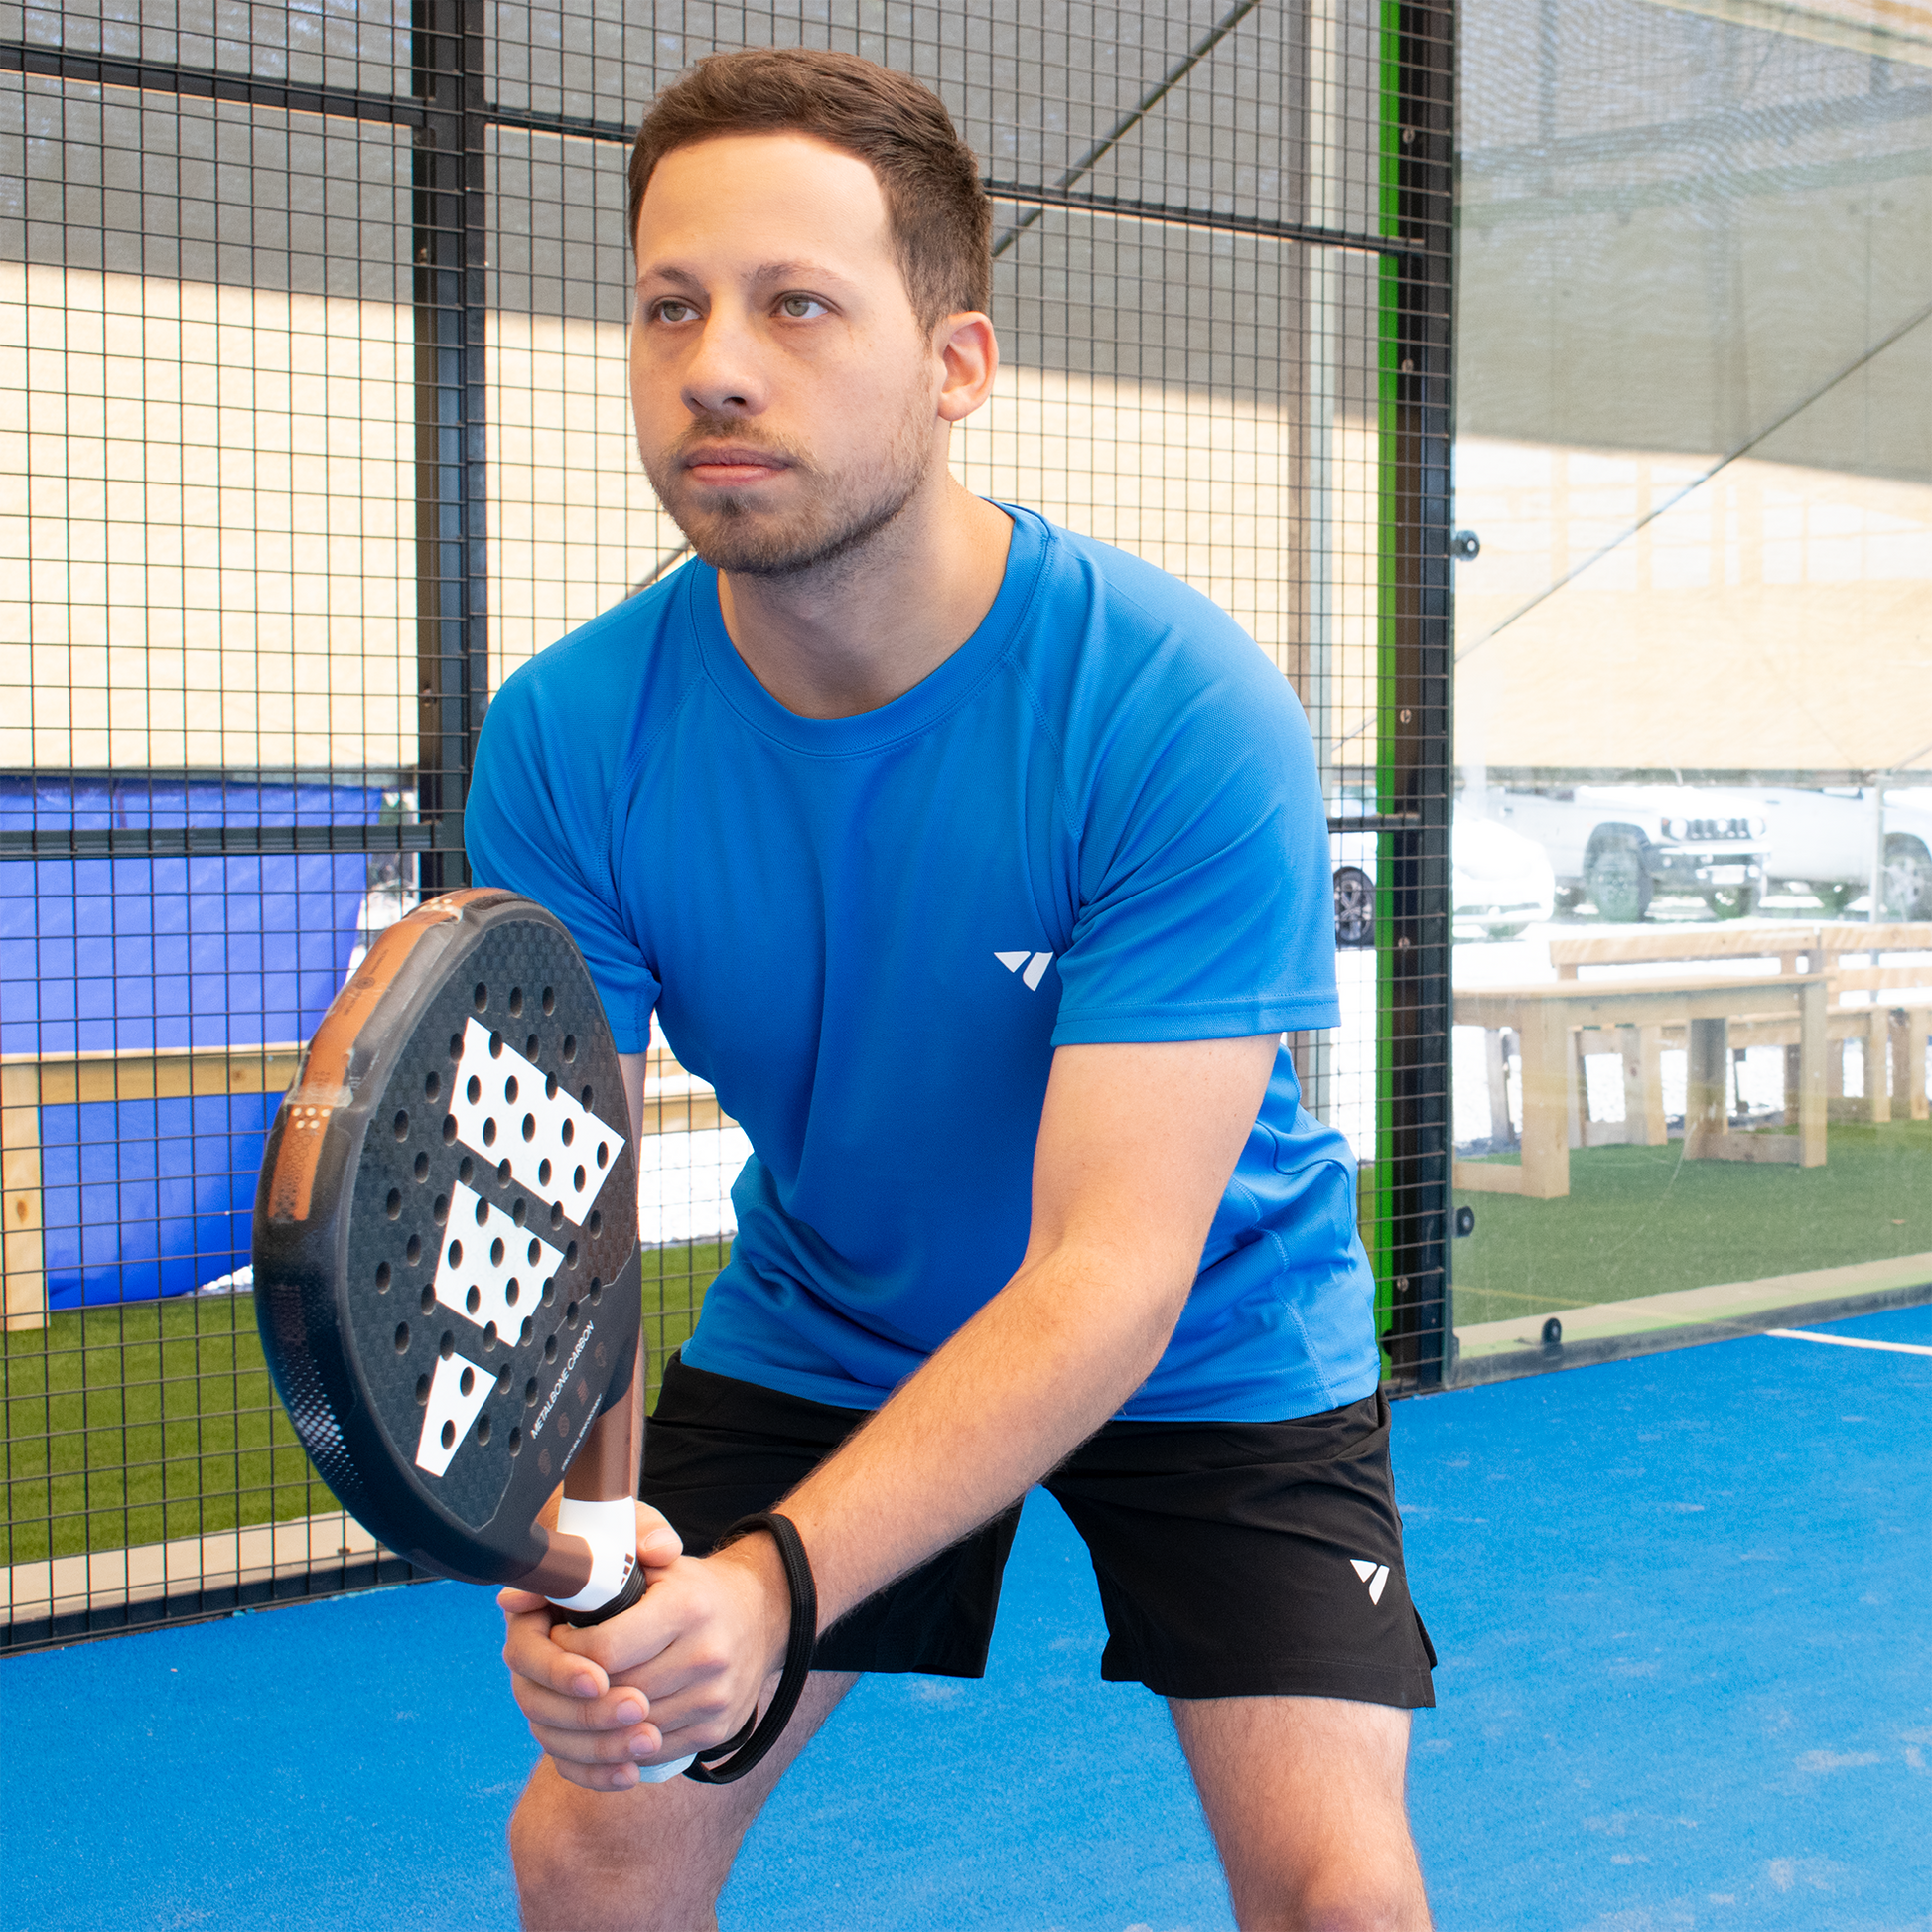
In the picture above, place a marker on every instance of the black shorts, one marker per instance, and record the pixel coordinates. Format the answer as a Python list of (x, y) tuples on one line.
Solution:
[(1234, 1559)]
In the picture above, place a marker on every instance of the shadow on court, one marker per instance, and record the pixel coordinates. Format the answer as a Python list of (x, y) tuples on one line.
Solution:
[(1681, 1605)]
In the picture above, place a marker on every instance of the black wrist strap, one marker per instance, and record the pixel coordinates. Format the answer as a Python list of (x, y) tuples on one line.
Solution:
[(630, 1592), (745, 1750)]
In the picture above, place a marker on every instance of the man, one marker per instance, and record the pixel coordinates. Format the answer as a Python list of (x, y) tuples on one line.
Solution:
[(980, 867)]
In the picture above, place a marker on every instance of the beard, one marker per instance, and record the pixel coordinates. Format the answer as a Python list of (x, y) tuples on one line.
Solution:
[(834, 516)]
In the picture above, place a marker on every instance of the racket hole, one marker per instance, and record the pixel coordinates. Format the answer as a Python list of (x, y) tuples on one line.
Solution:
[(483, 1212), (483, 1429), (515, 1443), (449, 1434), (569, 1256), (516, 1002), (382, 1277), (456, 1046), (550, 1348), (447, 1346), (549, 1291), (532, 1047), (529, 1127), (422, 1391), (596, 1222), (523, 1336), (550, 1088), (413, 1252), (577, 1181), (402, 1338), (421, 1169), (585, 1098), (549, 1000), (429, 1298), (536, 1249), (511, 1291), (490, 1335), (402, 1122), (503, 1171), (473, 1091), (433, 1087), (520, 1212), (456, 1253), (466, 1170), (496, 1252), (530, 1393), (448, 1128), (604, 1154), (597, 1292), (439, 1211), (481, 998), (472, 1303), (509, 1088), (570, 1316), (568, 1131), (495, 1047), (570, 1048), (393, 1206), (490, 1131), (556, 1208)]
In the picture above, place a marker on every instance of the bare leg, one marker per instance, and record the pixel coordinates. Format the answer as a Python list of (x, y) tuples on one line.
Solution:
[(652, 1859), (1305, 1796)]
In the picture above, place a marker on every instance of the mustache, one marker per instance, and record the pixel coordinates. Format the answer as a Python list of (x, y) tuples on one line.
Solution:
[(704, 431)]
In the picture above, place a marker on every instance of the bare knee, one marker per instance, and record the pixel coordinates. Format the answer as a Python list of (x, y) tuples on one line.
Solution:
[(612, 1862)]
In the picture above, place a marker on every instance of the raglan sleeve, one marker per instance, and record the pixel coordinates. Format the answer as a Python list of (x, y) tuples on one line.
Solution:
[(1206, 895), (537, 821)]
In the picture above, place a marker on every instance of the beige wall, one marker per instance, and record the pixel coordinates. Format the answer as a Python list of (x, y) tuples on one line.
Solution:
[(207, 541), (1777, 618)]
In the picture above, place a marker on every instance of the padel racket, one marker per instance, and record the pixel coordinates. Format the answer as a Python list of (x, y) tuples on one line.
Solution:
[(448, 1279)]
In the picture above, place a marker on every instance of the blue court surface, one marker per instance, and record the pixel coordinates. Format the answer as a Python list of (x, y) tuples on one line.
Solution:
[(1684, 1606)]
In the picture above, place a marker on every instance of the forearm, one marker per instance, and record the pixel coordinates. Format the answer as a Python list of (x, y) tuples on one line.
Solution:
[(1023, 1383)]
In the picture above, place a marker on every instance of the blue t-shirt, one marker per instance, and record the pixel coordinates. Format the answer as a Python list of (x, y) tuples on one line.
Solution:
[(1097, 820)]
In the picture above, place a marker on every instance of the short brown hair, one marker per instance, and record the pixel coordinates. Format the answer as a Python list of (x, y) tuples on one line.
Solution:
[(936, 209)]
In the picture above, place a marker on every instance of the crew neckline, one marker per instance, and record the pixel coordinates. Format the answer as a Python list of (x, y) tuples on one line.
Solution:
[(943, 688)]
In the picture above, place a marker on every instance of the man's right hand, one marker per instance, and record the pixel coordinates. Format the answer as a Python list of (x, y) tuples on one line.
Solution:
[(677, 1673)]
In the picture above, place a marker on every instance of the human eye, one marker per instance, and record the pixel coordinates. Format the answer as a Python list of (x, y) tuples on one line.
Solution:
[(801, 308), (672, 309)]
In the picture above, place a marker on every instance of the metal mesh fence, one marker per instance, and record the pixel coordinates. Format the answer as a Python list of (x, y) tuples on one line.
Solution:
[(314, 380)]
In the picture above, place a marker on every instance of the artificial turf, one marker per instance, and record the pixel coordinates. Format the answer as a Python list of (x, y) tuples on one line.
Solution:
[(1642, 1221), (144, 1421)]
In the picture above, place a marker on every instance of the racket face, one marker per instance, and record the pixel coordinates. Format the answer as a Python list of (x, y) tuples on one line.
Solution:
[(445, 1258)]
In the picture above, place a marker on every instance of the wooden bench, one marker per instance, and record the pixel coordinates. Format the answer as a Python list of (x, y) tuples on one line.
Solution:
[(1894, 1028), (1549, 1018), (674, 1103)]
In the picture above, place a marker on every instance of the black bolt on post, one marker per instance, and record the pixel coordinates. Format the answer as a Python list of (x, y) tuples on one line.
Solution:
[(1415, 696), (449, 212)]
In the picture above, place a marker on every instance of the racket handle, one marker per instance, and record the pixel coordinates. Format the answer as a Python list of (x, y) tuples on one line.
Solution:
[(611, 1529)]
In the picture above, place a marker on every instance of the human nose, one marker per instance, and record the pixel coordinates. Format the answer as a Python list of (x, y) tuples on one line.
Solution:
[(724, 376)]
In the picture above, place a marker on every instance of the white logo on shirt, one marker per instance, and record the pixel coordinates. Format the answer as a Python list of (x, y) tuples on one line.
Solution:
[(1374, 1574), (1035, 963)]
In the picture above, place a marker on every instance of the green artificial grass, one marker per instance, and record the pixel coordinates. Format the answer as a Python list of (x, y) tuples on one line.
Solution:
[(1641, 1220), (144, 1421)]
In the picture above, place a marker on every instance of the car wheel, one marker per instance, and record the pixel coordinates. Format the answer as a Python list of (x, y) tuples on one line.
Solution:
[(1908, 880), (1732, 902), (1836, 897), (1355, 907), (1614, 876)]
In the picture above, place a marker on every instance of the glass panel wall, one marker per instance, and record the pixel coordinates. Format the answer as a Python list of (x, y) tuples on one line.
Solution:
[(1693, 701)]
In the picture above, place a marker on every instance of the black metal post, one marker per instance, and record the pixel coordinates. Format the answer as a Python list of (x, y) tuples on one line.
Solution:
[(449, 217), (1416, 721)]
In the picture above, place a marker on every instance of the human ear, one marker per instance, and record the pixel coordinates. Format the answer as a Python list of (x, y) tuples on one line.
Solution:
[(970, 353)]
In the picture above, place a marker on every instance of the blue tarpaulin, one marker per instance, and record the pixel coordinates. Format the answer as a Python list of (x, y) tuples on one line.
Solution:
[(142, 1198)]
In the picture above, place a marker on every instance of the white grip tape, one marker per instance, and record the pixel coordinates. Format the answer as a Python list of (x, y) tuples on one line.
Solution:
[(611, 1529)]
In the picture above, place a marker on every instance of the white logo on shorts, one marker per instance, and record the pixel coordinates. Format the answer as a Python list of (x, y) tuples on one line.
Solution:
[(1374, 1574)]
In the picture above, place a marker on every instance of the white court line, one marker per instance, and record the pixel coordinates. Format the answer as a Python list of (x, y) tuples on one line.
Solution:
[(1850, 1341)]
